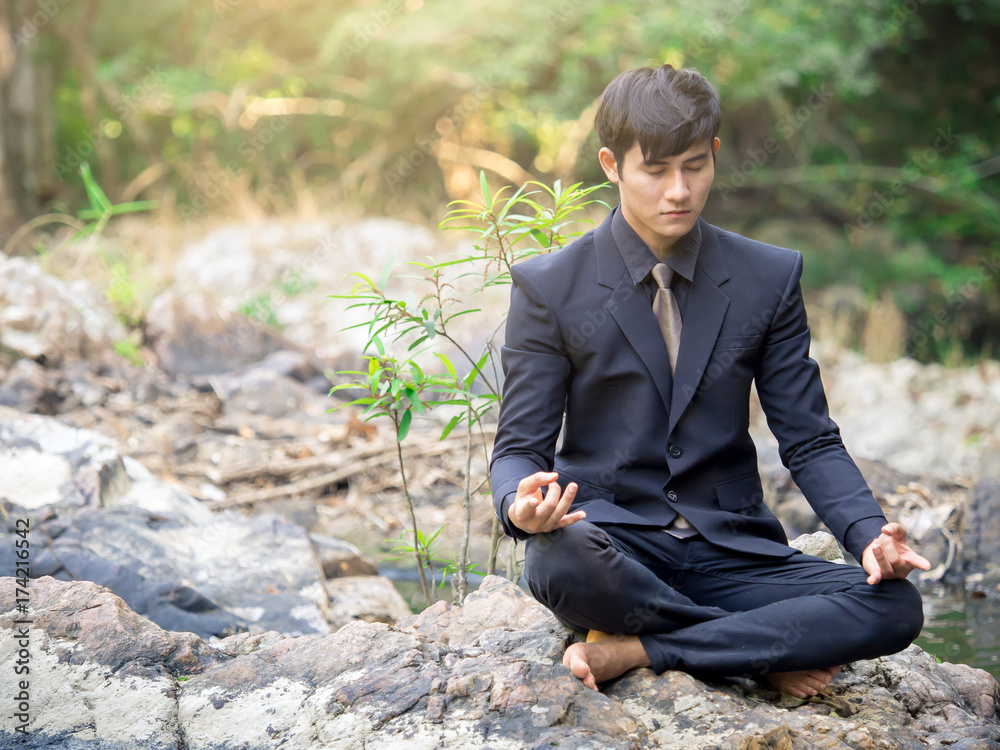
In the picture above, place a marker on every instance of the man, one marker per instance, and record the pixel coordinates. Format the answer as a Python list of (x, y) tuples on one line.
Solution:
[(644, 335)]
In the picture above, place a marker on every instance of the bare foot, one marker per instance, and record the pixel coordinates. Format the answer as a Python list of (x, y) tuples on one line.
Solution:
[(604, 660), (802, 684)]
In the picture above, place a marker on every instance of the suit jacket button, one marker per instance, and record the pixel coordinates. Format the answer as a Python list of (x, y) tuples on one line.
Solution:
[(676, 451), (672, 496)]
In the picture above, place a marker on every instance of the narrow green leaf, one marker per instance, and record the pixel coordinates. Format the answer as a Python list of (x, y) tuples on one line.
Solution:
[(404, 425), (486, 188), (452, 424), (416, 343), (386, 269), (540, 237), (471, 377), (98, 200), (447, 363)]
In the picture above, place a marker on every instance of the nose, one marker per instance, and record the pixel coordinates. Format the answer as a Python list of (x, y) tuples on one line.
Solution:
[(676, 190)]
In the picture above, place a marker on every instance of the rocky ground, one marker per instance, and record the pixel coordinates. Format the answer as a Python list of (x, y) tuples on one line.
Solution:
[(486, 674), (189, 517)]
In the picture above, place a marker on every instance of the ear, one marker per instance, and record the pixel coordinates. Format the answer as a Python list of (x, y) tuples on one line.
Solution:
[(608, 164), (715, 146)]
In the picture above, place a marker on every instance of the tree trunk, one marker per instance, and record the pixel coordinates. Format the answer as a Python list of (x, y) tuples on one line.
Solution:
[(25, 119)]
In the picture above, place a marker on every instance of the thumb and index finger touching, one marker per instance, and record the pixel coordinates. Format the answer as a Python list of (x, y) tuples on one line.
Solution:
[(550, 510)]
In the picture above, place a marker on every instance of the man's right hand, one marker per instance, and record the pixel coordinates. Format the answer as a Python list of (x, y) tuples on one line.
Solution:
[(535, 514)]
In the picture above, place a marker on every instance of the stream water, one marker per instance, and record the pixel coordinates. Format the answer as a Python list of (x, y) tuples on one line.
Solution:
[(958, 627)]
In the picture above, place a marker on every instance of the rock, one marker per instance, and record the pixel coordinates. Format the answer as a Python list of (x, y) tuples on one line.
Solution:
[(212, 578), (239, 644), (106, 519), (286, 270), (339, 558), (487, 674), (191, 337), (45, 463), (45, 319), (26, 388), (923, 419), (264, 391), (821, 544), (367, 598), (981, 533), (100, 675)]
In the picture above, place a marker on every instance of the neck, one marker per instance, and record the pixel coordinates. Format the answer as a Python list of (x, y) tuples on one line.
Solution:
[(661, 247)]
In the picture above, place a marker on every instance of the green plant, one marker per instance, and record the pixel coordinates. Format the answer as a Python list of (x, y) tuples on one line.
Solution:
[(393, 389), (128, 348), (509, 228), (101, 208), (262, 306)]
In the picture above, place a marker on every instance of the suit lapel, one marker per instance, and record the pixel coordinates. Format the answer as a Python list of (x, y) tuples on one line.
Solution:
[(631, 310), (704, 312)]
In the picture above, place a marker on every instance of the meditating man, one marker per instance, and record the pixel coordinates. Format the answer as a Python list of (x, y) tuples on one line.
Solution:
[(638, 342)]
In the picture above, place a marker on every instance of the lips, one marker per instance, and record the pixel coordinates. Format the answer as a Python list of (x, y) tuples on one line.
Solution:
[(675, 213)]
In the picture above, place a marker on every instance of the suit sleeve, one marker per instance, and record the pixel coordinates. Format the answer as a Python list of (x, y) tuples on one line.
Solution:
[(536, 374), (794, 402)]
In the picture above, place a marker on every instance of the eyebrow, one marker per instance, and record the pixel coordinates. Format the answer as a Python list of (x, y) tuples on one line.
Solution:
[(703, 155)]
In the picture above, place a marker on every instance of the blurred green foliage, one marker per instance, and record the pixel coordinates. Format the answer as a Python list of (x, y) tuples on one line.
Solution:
[(872, 119)]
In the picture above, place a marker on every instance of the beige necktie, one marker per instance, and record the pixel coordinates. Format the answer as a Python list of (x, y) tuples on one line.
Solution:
[(668, 315)]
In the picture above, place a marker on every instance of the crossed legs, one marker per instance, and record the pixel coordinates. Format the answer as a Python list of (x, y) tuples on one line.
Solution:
[(700, 608)]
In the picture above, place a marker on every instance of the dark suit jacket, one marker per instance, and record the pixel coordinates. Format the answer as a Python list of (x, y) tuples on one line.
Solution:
[(642, 445)]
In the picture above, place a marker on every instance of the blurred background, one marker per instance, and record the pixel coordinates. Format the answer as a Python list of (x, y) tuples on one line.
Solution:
[(210, 155), (862, 133)]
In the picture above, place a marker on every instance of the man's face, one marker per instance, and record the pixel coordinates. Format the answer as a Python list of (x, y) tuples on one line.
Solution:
[(662, 200)]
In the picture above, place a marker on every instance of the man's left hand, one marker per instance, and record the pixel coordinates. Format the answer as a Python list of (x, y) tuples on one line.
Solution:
[(889, 556)]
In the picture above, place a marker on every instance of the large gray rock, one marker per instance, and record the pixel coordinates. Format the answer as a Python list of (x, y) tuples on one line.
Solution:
[(106, 519), (484, 675), (192, 337), (100, 675), (923, 419)]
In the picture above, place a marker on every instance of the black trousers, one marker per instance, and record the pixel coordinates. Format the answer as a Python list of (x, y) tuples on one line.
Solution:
[(708, 610)]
